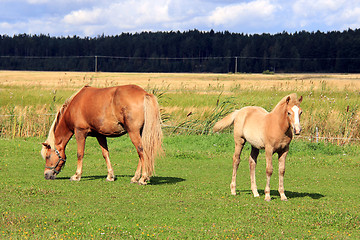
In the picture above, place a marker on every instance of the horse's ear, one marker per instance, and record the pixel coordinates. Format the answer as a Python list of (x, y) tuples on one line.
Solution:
[(300, 99), (288, 100), (46, 145)]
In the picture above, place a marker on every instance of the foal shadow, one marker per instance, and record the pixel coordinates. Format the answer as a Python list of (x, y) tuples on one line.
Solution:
[(289, 194), (153, 180)]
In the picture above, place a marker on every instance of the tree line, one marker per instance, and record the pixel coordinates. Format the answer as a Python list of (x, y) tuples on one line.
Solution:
[(189, 51)]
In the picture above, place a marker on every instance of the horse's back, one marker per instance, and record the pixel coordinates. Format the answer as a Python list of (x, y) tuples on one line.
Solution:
[(107, 110), (250, 123)]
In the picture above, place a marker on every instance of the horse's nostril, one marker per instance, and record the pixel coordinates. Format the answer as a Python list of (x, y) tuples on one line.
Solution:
[(49, 176)]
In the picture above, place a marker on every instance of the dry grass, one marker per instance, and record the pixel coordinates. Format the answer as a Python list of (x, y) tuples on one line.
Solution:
[(182, 81)]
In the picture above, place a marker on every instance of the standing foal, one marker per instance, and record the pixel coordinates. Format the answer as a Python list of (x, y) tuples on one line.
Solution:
[(263, 130)]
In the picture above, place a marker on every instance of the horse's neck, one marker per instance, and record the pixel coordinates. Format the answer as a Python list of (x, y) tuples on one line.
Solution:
[(280, 114), (62, 135)]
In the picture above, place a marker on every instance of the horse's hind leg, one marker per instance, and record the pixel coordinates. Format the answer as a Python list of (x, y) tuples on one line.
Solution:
[(137, 175), (136, 140), (105, 152), (269, 171), (239, 144), (252, 162)]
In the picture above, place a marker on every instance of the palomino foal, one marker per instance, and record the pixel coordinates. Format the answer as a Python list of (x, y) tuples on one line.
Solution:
[(263, 130)]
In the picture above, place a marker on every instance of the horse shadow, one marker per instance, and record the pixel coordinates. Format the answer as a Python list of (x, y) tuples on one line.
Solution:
[(154, 180), (289, 194)]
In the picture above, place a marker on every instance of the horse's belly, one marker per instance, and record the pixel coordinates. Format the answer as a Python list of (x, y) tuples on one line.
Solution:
[(255, 138), (114, 129)]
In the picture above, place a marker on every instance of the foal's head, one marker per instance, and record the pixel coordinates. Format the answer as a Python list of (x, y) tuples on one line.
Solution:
[(294, 112), (53, 161)]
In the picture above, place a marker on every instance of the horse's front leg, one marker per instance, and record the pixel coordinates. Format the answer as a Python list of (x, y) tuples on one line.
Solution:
[(282, 157), (105, 152), (269, 171), (80, 139)]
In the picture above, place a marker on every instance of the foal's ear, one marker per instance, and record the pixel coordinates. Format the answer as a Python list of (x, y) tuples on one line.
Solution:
[(288, 100), (46, 145), (300, 99)]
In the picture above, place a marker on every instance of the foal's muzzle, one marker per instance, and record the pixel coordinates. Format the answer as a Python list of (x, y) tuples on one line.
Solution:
[(297, 130)]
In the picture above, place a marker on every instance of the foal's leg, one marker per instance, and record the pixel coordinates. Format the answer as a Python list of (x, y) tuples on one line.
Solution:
[(239, 144), (80, 139), (136, 140), (269, 171), (105, 152), (252, 162), (282, 157)]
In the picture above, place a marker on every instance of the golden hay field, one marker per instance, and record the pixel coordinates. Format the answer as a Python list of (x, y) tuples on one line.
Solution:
[(181, 81)]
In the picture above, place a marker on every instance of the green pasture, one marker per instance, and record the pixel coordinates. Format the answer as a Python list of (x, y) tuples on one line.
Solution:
[(189, 198)]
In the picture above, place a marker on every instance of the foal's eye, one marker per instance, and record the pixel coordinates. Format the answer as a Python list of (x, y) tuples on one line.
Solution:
[(289, 113)]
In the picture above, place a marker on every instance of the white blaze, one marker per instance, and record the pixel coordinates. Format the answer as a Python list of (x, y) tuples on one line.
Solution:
[(296, 113)]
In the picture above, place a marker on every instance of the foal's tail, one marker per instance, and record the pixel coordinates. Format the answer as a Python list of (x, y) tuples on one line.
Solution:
[(225, 122), (152, 134)]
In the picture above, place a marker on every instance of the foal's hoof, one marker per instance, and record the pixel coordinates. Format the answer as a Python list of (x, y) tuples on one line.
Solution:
[(268, 199)]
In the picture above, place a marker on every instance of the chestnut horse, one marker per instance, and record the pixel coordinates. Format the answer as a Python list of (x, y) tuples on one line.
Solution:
[(101, 113), (263, 130)]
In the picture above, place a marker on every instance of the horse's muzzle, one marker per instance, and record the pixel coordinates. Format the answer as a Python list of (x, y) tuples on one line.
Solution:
[(297, 130), (49, 175)]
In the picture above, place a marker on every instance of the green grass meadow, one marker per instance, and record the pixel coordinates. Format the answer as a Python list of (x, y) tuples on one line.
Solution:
[(189, 198)]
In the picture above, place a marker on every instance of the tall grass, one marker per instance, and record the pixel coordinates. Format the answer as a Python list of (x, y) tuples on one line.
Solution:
[(330, 112)]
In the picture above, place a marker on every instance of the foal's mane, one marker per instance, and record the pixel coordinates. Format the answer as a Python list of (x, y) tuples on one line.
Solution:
[(293, 100), (51, 137)]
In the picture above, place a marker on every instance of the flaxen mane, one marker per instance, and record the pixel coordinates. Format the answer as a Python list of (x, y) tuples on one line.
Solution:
[(293, 100), (51, 138)]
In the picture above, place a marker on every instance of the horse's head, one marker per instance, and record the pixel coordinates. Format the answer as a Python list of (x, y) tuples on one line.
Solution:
[(53, 161), (293, 113)]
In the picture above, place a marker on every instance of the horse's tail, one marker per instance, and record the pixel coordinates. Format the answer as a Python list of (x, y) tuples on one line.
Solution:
[(151, 134), (225, 122)]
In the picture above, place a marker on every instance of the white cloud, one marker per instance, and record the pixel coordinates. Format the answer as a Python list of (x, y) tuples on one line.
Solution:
[(128, 14), (94, 17), (258, 10)]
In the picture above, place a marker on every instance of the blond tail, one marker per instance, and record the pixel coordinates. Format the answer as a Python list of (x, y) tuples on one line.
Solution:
[(225, 122), (152, 134)]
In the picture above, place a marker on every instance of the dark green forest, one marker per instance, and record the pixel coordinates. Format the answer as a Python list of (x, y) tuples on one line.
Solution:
[(189, 51)]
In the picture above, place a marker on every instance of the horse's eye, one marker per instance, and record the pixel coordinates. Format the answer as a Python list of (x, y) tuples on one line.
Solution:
[(289, 113)]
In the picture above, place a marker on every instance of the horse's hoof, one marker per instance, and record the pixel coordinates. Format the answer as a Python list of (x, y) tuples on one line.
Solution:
[(142, 182), (74, 179), (133, 180), (110, 179)]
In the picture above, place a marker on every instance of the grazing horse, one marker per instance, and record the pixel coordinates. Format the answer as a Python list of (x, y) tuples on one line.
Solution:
[(263, 130), (101, 113)]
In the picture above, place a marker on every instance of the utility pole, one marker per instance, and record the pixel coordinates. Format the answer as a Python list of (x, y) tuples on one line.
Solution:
[(236, 58)]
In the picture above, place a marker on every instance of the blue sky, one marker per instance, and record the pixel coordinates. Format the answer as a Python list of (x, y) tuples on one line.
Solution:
[(111, 17)]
